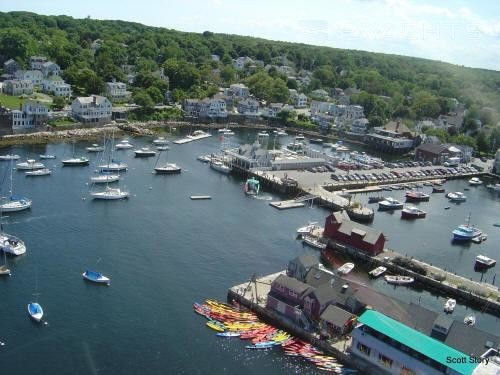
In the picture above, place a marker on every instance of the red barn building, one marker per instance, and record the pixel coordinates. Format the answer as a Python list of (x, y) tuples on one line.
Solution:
[(339, 228)]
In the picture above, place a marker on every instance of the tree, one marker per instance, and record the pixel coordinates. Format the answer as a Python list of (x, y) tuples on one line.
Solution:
[(16, 44), (58, 103), (227, 74), (155, 94), (462, 139), (482, 142), (142, 99)]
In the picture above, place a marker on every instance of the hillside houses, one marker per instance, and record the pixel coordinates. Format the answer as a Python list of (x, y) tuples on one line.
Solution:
[(92, 109), (31, 115), (55, 85), (18, 87), (206, 108), (34, 76), (117, 91)]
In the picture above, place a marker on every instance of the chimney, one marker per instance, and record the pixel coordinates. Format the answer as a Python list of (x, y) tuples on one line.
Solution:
[(94, 100)]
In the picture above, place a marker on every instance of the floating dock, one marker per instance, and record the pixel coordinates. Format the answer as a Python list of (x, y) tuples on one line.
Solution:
[(191, 138), (199, 197), (285, 205)]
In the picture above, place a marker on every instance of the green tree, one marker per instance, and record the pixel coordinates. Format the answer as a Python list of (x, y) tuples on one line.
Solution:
[(58, 103), (142, 99), (227, 74), (482, 142), (155, 94), (16, 43)]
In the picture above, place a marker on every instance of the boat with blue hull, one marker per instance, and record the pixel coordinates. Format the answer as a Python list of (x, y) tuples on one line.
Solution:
[(35, 311), (466, 232), (96, 277)]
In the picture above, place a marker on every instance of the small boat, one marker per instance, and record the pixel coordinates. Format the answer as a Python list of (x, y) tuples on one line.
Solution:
[(437, 189), (481, 238), (252, 186), (457, 196), (38, 172), (345, 268), (30, 164), (316, 141), (114, 166), (449, 305), (11, 244), (199, 197), (412, 212), (229, 334), (35, 311), (95, 148), (216, 326), (123, 145), (220, 167), (96, 277), (162, 148), (263, 134), (483, 262), (161, 141), (46, 156), (466, 232), (375, 199), (307, 229), (390, 204), (228, 132), (9, 157), (223, 130), (104, 178), (204, 158), (377, 271), (470, 320), (168, 168), (281, 133), (416, 196), (399, 280), (111, 194), (313, 242), (4, 271), (76, 161), (299, 137), (474, 181), (15, 203), (342, 149), (144, 152)]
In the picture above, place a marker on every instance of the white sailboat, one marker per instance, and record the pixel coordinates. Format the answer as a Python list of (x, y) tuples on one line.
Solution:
[(9, 243), (14, 202), (30, 164), (75, 161), (114, 165), (35, 310), (167, 168), (38, 172)]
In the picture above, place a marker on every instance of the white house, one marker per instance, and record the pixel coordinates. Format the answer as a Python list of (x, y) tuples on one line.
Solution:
[(56, 86), (238, 90), (36, 62), (17, 87), (32, 114), (354, 112), (35, 76), (213, 108), (359, 126), (248, 107), (117, 91), (92, 109), (240, 62), (50, 68), (301, 101)]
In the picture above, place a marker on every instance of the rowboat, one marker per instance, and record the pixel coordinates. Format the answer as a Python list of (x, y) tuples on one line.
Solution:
[(449, 305), (345, 268), (399, 280), (377, 271), (96, 277)]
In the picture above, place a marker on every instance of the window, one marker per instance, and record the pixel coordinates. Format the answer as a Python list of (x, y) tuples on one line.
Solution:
[(384, 361), (363, 349)]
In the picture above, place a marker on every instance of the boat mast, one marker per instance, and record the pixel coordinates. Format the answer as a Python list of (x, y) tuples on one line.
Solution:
[(11, 167)]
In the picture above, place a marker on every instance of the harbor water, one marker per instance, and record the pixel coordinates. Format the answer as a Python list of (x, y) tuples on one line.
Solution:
[(164, 251)]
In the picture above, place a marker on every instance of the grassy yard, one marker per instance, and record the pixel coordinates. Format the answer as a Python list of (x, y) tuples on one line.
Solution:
[(61, 122), (11, 102)]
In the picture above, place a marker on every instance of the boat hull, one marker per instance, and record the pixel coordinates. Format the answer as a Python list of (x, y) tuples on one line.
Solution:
[(99, 280), (35, 311), (75, 163), (15, 206), (408, 215), (160, 170)]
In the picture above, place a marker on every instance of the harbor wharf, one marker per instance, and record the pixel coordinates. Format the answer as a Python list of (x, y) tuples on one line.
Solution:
[(478, 294), (253, 295)]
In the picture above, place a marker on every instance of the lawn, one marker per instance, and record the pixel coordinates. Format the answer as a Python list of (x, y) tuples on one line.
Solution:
[(9, 101)]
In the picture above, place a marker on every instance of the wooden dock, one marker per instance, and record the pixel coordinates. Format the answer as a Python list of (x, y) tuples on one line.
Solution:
[(191, 138)]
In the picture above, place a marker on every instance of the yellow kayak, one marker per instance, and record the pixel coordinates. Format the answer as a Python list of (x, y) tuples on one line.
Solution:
[(216, 327)]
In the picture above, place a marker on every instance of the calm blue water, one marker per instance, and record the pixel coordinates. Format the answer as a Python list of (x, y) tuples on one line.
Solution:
[(164, 251)]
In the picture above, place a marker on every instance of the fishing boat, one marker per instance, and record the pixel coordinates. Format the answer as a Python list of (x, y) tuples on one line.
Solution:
[(160, 141), (104, 177), (474, 181), (35, 311), (94, 148), (96, 277), (110, 194), (38, 172), (307, 229), (76, 161), (252, 186), (167, 168), (457, 196), (4, 271), (399, 280), (220, 167), (313, 242), (390, 204), (466, 232), (483, 262), (449, 305), (46, 156), (30, 164), (375, 199), (123, 145), (144, 152), (345, 268), (377, 271), (416, 196), (14, 202), (9, 157), (412, 212), (470, 320)]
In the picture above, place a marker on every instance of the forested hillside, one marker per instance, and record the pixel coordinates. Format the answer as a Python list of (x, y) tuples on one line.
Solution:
[(417, 88)]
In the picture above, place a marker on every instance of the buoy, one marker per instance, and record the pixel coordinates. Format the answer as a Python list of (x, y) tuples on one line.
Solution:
[(83, 198), (150, 188), (447, 208)]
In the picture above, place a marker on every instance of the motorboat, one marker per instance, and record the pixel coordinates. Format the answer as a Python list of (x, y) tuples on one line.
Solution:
[(220, 167), (313, 242), (449, 305), (416, 196), (299, 137), (437, 189), (483, 262), (11, 244), (456, 197), (296, 146), (389, 204), (113, 166), (38, 172), (144, 152), (30, 164), (162, 148), (470, 320), (94, 148), (228, 132), (399, 280), (466, 232), (123, 145), (327, 144), (46, 156), (160, 141), (35, 311), (252, 186), (104, 178), (76, 161), (316, 141), (307, 229), (412, 212), (345, 268), (263, 134), (223, 130), (9, 157), (342, 149), (375, 199), (474, 181), (204, 158), (168, 168), (96, 277), (15, 203), (281, 133), (377, 271), (111, 194)]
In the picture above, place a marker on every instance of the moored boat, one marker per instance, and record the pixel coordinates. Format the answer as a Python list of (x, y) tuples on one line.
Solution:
[(30, 164), (307, 228), (456, 196), (220, 167), (160, 141), (4, 271), (377, 271), (449, 305), (437, 189), (168, 168), (316, 140), (470, 320), (466, 232), (416, 196), (123, 145), (35, 311), (96, 277), (375, 199), (390, 204), (475, 181), (345, 268), (412, 212), (9, 157), (252, 186), (76, 161), (398, 279), (111, 194), (15, 203), (484, 262), (11, 244), (46, 156), (38, 172), (144, 152), (114, 166), (204, 158), (94, 148), (104, 178), (313, 242)]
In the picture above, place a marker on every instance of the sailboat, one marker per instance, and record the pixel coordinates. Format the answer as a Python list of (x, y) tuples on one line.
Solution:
[(167, 168), (4, 271), (35, 310), (15, 203), (76, 160), (9, 243), (113, 165), (96, 277), (105, 177)]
